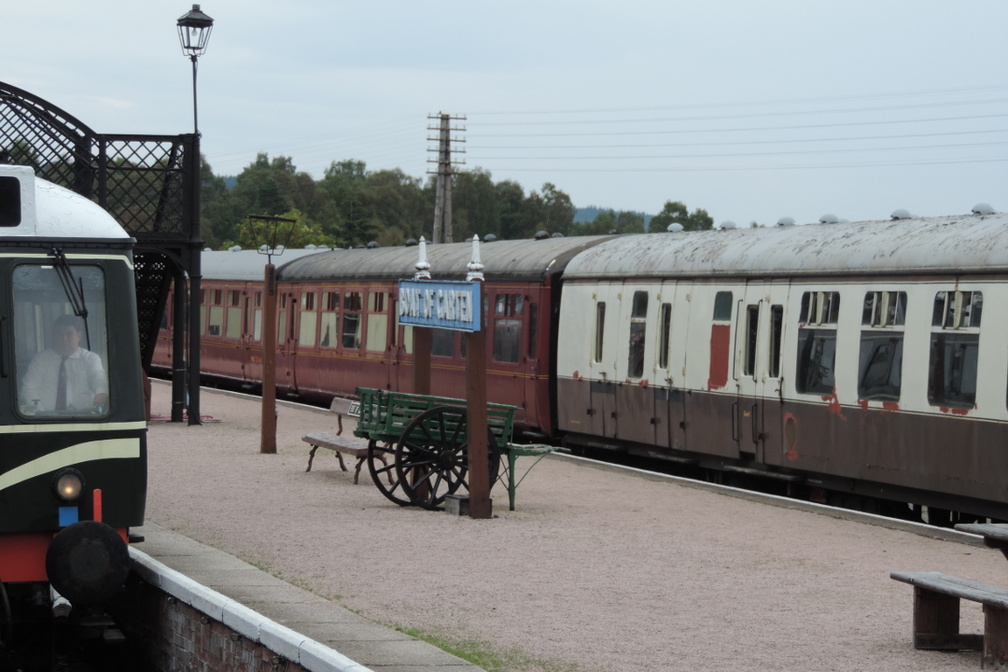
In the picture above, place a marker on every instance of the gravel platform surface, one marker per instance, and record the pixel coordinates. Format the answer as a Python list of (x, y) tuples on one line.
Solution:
[(598, 569)]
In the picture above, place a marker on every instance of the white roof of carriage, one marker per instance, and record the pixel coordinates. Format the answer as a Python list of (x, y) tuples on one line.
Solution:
[(958, 244)]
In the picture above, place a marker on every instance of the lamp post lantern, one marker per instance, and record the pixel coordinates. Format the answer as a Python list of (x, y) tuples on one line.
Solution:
[(194, 33)]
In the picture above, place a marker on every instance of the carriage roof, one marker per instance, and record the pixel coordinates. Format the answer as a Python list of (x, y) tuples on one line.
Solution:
[(247, 265), (957, 244), (529, 260)]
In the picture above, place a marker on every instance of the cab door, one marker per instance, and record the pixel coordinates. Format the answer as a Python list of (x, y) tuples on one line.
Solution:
[(758, 414)]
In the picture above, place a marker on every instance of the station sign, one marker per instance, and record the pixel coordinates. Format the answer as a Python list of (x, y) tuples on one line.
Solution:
[(440, 304)]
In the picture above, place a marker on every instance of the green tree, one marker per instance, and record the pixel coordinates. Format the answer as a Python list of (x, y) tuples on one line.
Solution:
[(474, 205), (676, 212)]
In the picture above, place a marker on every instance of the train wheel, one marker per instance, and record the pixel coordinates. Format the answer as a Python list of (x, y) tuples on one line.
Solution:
[(385, 476), (432, 456)]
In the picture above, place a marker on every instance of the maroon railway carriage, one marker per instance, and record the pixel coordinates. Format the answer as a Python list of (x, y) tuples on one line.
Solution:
[(338, 328), (230, 315)]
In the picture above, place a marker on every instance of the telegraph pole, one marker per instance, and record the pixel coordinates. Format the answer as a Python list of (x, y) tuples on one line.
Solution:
[(442, 203)]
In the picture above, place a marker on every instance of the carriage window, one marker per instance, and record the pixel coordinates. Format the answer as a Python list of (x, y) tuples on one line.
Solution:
[(507, 328), (638, 333), (776, 331), (234, 314), (309, 320), (377, 322), (282, 318), (884, 309), (215, 321), (533, 329), (60, 358), (599, 329), (880, 369), (817, 342), (664, 334), (955, 310), (955, 348), (442, 343), (257, 327), (328, 319), (752, 331), (722, 306), (351, 320)]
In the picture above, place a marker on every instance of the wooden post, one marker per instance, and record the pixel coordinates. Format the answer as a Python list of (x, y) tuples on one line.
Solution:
[(269, 326), (479, 474), (423, 337)]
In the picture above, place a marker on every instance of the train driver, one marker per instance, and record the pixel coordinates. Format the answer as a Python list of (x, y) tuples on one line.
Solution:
[(65, 375)]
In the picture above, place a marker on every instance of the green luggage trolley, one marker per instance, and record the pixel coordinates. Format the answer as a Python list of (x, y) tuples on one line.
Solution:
[(427, 436)]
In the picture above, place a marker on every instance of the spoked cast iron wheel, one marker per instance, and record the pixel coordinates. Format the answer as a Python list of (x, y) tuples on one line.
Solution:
[(386, 477), (432, 456)]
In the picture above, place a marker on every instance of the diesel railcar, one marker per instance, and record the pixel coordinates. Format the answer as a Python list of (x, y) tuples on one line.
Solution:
[(72, 422)]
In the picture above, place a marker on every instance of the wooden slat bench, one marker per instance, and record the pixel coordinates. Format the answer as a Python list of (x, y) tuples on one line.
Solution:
[(341, 444), (936, 615)]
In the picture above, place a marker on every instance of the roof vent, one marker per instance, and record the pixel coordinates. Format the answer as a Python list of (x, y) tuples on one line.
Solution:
[(557, 235), (372, 245), (901, 213), (785, 221), (541, 235), (983, 209), (828, 219), (411, 242), (674, 227), (489, 238), (728, 224)]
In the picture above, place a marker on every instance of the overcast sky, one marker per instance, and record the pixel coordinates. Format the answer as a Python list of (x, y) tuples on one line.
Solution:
[(750, 110)]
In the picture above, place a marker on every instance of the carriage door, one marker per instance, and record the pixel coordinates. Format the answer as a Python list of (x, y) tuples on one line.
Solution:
[(602, 372), (757, 413), (636, 347), (670, 365)]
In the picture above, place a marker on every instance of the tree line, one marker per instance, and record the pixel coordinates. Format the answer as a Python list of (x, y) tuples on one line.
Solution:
[(351, 206)]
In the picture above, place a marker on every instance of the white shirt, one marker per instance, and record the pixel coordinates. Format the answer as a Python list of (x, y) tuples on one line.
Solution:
[(85, 378)]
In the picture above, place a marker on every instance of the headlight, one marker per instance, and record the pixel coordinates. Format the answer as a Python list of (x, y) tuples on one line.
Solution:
[(69, 485)]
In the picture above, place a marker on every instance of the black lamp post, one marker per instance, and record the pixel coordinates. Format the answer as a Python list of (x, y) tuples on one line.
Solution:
[(194, 33)]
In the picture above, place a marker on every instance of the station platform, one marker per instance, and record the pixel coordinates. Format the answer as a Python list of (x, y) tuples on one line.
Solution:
[(599, 568)]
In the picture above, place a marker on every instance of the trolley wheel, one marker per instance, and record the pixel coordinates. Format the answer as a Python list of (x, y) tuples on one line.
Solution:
[(385, 476), (432, 456)]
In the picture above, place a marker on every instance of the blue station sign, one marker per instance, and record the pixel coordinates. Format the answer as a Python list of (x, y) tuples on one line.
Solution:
[(441, 304)]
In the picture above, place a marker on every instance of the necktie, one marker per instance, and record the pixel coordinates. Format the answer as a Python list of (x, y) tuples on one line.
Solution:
[(61, 387)]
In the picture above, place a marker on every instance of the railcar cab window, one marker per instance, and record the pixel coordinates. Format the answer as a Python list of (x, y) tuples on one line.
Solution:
[(60, 357), (638, 332), (880, 365), (817, 331), (955, 345)]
